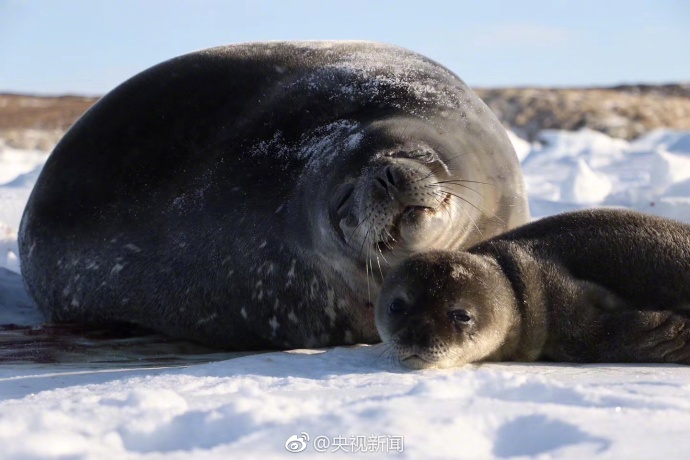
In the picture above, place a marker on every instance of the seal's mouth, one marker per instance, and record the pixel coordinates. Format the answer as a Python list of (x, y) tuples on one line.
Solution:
[(391, 236), (416, 362), (376, 227)]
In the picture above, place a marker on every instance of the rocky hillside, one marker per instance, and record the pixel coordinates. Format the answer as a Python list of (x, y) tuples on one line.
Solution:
[(623, 111), (33, 122)]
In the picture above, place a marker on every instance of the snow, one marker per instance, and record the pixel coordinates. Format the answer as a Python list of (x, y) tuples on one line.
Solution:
[(574, 170), (355, 397)]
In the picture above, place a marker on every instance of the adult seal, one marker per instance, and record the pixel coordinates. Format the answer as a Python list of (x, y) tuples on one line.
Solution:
[(253, 196), (588, 286)]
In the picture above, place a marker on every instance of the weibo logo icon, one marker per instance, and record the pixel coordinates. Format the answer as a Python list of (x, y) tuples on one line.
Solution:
[(296, 443)]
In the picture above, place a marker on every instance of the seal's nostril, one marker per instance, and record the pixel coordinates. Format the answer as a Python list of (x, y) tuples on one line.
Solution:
[(389, 176), (382, 183)]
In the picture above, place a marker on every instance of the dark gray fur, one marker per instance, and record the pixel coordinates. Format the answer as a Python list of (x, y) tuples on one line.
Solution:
[(588, 286), (194, 198)]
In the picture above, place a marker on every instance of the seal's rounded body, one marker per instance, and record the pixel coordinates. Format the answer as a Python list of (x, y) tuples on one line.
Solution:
[(254, 195), (588, 286)]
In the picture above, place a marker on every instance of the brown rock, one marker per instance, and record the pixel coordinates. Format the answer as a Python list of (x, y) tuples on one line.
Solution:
[(623, 111)]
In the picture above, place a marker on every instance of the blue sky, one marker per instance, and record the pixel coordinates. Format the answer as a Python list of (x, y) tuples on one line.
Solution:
[(89, 46)]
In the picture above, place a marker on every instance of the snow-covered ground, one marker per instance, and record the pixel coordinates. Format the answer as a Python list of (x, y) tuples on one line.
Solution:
[(351, 401)]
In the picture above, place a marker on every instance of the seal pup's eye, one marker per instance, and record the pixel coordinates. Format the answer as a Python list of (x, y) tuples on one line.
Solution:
[(396, 307), (459, 316)]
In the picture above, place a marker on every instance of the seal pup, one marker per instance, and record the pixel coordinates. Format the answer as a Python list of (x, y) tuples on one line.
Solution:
[(253, 196), (588, 286)]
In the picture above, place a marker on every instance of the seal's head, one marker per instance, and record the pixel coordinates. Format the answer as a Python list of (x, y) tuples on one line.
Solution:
[(445, 309), (405, 189)]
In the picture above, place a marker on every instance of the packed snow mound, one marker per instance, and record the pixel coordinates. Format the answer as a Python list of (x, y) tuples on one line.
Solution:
[(681, 145), (566, 171), (595, 148), (583, 185), (25, 180), (17, 162), (660, 139), (667, 169)]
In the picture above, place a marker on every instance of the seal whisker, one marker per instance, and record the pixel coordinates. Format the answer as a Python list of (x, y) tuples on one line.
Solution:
[(386, 352), (380, 238), (445, 195), (474, 222), (456, 157), (388, 357), (428, 175), (446, 164), (378, 262), (366, 237), (366, 262), (443, 165), (456, 181), (440, 184), (390, 237), (384, 346), (363, 220), (478, 208), (371, 268), (436, 197)]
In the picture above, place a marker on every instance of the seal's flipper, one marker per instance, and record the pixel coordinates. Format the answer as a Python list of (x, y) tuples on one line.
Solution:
[(646, 336)]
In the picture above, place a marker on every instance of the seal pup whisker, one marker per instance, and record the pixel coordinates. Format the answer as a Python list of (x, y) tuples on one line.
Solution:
[(385, 352)]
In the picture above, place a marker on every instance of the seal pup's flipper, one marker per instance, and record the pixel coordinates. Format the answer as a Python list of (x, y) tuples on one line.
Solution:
[(646, 336)]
